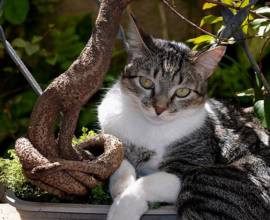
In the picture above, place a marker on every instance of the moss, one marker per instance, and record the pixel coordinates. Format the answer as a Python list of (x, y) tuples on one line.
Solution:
[(11, 171)]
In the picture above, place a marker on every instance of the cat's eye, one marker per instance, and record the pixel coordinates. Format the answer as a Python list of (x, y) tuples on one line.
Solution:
[(182, 92), (146, 83)]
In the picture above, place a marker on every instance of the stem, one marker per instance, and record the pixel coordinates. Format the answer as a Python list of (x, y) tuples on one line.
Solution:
[(163, 20), (262, 49), (256, 68)]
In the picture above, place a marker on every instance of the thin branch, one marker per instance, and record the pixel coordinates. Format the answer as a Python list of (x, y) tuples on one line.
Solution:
[(185, 19), (261, 52), (235, 7), (163, 20), (256, 68)]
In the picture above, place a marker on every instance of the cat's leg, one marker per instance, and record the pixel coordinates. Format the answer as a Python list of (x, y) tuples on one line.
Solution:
[(124, 176), (133, 202)]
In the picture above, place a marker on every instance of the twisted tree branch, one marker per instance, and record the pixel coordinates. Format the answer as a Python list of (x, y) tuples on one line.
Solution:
[(51, 162)]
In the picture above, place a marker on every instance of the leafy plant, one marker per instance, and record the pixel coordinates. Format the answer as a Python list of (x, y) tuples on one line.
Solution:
[(236, 78)]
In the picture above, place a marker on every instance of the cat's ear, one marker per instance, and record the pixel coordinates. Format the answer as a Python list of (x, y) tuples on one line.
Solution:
[(139, 42), (206, 62)]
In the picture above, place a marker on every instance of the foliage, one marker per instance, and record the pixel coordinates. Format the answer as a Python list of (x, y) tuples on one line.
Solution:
[(235, 78), (15, 11), (85, 134), (47, 44), (12, 177), (100, 195), (11, 172)]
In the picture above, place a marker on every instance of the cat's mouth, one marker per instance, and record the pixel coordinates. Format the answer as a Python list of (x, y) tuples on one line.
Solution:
[(155, 118)]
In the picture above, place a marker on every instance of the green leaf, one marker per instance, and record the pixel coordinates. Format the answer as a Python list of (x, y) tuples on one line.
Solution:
[(248, 92), (30, 49), (36, 39), (19, 42), (245, 26), (208, 5), (203, 39), (15, 11), (52, 60), (263, 30), (256, 23), (263, 10), (210, 19), (242, 3), (262, 111), (259, 111), (229, 2)]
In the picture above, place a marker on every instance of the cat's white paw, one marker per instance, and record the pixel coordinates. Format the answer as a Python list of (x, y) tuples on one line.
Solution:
[(127, 206)]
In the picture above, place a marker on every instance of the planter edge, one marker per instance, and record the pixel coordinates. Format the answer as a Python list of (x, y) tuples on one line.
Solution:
[(20, 204)]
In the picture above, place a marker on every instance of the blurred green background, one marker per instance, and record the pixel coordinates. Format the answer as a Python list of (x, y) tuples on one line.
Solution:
[(49, 34)]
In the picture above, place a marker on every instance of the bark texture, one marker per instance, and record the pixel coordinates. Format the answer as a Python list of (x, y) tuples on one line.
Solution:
[(51, 162)]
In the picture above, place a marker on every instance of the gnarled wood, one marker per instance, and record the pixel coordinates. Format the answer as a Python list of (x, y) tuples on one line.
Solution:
[(51, 162)]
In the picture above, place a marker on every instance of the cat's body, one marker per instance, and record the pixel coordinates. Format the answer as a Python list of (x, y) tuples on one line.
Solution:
[(181, 147)]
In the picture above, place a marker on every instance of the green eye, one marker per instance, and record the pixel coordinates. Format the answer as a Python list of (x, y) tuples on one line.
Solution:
[(182, 92), (146, 83)]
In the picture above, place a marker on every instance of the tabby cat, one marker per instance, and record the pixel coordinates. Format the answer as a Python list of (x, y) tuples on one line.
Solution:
[(201, 154)]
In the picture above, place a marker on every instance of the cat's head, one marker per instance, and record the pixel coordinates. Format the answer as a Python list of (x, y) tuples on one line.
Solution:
[(165, 79)]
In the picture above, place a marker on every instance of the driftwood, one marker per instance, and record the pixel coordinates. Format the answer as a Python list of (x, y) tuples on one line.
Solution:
[(51, 162)]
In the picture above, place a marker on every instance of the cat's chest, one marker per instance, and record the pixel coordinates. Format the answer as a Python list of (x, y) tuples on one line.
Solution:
[(144, 143)]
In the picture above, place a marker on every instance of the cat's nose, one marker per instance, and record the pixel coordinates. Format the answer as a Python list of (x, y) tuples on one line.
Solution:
[(159, 109)]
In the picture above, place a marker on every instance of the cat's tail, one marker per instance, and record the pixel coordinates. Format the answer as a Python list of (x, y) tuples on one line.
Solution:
[(225, 193)]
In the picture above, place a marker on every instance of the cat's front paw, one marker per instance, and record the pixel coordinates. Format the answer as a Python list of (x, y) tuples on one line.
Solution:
[(127, 206)]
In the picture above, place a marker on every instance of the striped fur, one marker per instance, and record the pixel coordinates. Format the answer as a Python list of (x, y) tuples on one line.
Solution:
[(224, 168)]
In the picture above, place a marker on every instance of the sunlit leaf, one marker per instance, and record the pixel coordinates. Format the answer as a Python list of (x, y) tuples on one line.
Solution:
[(210, 19), (248, 92), (227, 1), (203, 39), (260, 24), (242, 4), (259, 21), (245, 26), (208, 5), (15, 11), (262, 111), (263, 30), (259, 111), (263, 10)]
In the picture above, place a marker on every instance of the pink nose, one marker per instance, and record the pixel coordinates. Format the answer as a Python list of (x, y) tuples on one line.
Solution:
[(159, 109)]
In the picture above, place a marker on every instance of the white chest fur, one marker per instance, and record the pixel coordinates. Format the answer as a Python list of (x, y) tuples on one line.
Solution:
[(117, 115)]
